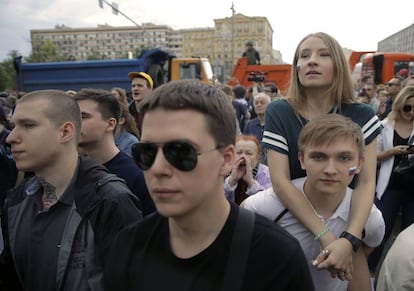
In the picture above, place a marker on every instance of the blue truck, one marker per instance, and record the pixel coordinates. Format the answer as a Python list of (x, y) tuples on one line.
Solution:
[(106, 74)]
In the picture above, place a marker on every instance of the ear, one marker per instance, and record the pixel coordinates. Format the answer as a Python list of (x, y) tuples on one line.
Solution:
[(301, 160), (121, 120), (229, 156), (67, 132), (111, 124)]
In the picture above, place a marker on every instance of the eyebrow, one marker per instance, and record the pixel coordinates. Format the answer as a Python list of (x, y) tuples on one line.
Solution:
[(21, 120)]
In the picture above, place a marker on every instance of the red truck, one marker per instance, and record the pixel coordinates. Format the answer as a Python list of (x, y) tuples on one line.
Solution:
[(245, 75)]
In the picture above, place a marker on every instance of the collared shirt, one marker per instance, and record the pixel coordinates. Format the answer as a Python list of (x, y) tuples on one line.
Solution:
[(269, 205), (125, 141), (37, 247)]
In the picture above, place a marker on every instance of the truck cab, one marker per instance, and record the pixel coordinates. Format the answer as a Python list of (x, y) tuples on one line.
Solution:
[(190, 68), (384, 66)]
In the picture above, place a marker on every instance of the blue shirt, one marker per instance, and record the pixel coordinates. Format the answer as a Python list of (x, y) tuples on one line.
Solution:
[(125, 167), (125, 141)]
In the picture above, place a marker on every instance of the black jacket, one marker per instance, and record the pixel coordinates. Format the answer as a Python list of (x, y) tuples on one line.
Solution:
[(103, 205)]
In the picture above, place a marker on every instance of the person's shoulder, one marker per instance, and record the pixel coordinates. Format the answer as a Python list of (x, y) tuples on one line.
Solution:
[(280, 105), (24, 189), (272, 236), (355, 109), (251, 123), (265, 203), (123, 164), (141, 231)]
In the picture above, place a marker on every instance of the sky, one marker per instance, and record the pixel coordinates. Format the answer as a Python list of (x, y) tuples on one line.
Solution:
[(357, 24)]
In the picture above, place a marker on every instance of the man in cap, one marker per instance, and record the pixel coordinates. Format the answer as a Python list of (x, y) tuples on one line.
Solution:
[(141, 85), (253, 56)]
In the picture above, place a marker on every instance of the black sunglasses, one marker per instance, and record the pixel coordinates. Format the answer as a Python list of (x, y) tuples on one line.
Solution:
[(392, 84), (407, 108), (180, 154)]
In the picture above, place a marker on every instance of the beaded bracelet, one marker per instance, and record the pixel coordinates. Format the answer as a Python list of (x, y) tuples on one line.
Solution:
[(322, 233)]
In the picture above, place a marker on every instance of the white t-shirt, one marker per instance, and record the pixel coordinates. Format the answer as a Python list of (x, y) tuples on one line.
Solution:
[(268, 204)]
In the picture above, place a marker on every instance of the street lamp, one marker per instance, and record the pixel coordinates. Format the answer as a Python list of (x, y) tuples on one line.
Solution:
[(232, 34), (115, 10)]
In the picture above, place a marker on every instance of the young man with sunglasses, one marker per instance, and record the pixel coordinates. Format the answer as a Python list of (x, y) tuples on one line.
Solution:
[(393, 87), (186, 151)]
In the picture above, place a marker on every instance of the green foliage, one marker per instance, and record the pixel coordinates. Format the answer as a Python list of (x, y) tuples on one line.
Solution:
[(45, 52), (94, 55), (139, 49), (7, 72)]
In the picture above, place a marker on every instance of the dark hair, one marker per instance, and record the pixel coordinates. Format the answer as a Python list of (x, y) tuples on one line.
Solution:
[(108, 105), (239, 92), (129, 125), (3, 119), (207, 99), (362, 93), (272, 87)]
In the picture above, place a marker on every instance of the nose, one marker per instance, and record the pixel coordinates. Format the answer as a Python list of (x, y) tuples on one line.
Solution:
[(313, 59), (330, 167), (11, 138), (160, 165)]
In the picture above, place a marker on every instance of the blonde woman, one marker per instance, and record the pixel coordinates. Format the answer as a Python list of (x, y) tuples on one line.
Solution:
[(394, 192)]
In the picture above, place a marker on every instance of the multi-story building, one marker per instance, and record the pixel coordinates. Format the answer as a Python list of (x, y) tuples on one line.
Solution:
[(106, 42), (402, 41), (223, 44)]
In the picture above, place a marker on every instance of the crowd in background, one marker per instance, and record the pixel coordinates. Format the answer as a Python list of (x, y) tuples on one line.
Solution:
[(265, 163)]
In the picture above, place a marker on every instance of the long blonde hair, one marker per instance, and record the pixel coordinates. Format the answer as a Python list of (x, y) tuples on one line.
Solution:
[(399, 102), (342, 88)]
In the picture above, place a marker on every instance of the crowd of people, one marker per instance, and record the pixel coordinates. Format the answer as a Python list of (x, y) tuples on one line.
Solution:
[(211, 187)]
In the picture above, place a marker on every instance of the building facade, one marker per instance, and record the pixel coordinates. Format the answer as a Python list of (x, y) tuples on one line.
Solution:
[(223, 44), (402, 41), (104, 41)]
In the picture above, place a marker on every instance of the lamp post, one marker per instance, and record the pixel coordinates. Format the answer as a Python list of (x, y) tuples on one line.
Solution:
[(115, 10), (224, 34), (232, 34)]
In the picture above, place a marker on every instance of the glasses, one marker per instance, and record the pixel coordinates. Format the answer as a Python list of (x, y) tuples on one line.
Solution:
[(180, 154), (407, 108), (392, 84)]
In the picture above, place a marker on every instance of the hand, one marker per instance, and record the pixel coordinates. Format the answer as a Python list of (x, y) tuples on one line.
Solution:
[(337, 259), (248, 175), (400, 150), (237, 172)]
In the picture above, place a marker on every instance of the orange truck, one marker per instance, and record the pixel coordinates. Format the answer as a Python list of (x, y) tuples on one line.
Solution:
[(381, 66), (246, 75)]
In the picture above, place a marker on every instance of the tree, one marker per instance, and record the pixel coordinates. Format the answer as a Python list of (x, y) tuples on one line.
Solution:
[(43, 52), (8, 80), (94, 55)]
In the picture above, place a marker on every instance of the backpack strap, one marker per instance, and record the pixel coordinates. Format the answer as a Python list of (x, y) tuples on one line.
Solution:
[(279, 217), (239, 251)]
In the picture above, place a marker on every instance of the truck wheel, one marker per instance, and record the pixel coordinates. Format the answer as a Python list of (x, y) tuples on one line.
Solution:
[(156, 74)]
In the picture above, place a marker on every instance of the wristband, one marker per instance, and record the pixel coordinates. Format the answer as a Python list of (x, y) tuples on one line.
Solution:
[(322, 233), (355, 242)]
